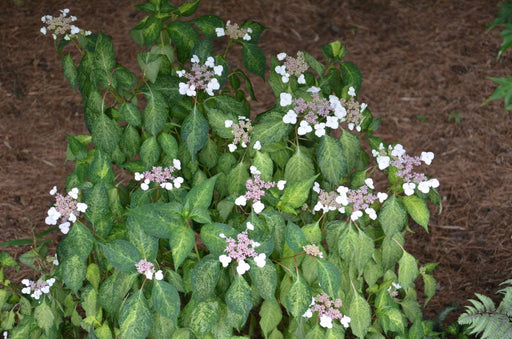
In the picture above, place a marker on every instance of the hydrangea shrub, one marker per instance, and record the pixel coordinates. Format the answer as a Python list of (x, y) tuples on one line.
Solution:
[(188, 218)]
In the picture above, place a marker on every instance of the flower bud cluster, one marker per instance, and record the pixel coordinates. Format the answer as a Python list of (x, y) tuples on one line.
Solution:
[(361, 200), (67, 209), (233, 31), (292, 66), (241, 249), (241, 132), (328, 310), (61, 25), (200, 77), (147, 268), (393, 289), (256, 189), (396, 156), (162, 176), (319, 113), (313, 250), (37, 288)]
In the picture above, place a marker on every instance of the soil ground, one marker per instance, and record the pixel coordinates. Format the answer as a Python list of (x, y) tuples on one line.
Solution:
[(425, 67)]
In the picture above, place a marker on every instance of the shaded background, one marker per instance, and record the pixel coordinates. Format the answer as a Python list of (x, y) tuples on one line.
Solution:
[(425, 67)]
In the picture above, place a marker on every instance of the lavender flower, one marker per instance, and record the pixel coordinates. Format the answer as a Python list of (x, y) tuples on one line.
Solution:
[(241, 132), (37, 288), (200, 77), (66, 208), (61, 25), (165, 177), (292, 66), (233, 31), (313, 250), (147, 268), (255, 190), (328, 310)]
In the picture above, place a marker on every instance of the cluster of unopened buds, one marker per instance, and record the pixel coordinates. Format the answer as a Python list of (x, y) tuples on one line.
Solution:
[(233, 31), (148, 269), (328, 310), (319, 113), (241, 133), (256, 188), (241, 249), (361, 200), (165, 177), (396, 156), (67, 209), (61, 25), (200, 77), (37, 288), (292, 67), (393, 289), (313, 250)]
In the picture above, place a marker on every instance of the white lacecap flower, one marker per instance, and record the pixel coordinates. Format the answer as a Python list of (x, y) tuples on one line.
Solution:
[(398, 150), (304, 128), (255, 244), (220, 31), (427, 157), (222, 235), (56, 261), (281, 56), (72, 217), (210, 62), (254, 170), (53, 190), (383, 161), (409, 188), (6, 334), (144, 186), (325, 321), (241, 201), (159, 275), (316, 187), (74, 29), (66, 37), (177, 182), (382, 196), (424, 187), (244, 144), (281, 69), (225, 260), (247, 37), (64, 227), (257, 207), (332, 122), (257, 145), (285, 99), (228, 123), (232, 147), (285, 78), (81, 207), (290, 117), (434, 183), (139, 176), (218, 70), (345, 321), (351, 91), (396, 285), (320, 129), (313, 89), (371, 213), (356, 215), (194, 59), (301, 79), (308, 314), (176, 163), (280, 184), (73, 193), (250, 226), (260, 260), (181, 73), (149, 274), (183, 88), (362, 107), (369, 183), (242, 267)]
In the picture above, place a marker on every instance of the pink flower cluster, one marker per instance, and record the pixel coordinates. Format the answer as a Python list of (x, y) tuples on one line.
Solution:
[(66, 208), (37, 288), (328, 310), (313, 250), (61, 25), (163, 176), (147, 268), (241, 133), (256, 188), (241, 249), (233, 31), (292, 66), (200, 77)]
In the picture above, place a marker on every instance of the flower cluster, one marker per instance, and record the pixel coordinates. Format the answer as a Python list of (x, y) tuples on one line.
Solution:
[(162, 176), (256, 189), (405, 164), (319, 113), (241, 132), (360, 198), (313, 250), (393, 289), (37, 288), (147, 268), (233, 31), (61, 25), (241, 249), (328, 310), (66, 208), (292, 66), (200, 77)]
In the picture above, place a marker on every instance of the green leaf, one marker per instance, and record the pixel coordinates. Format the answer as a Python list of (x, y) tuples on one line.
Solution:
[(105, 134), (204, 316), (237, 179), (504, 90), (299, 167), (360, 314), (317, 66), (70, 71), (334, 51), (155, 113), (331, 160), (130, 141), (351, 75), (264, 279), (315, 333), (157, 219), (149, 152), (131, 114), (135, 317), (182, 242), (121, 254), (208, 155), (146, 31), (100, 169), (217, 118), (430, 287), (264, 164), (184, 37), (297, 193), (329, 277), (104, 53), (298, 298), (187, 8), (238, 297), (78, 242), (391, 251), (407, 270), (44, 316), (295, 238), (199, 197), (145, 243), (253, 58), (270, 316), (270, 128), (194, 131), (73, 270), (210, 237), (351, 148), (165, 300), (169, 145), (97, 203), (93, 275), (392, 216), (113, 290), (205, 275), (150, 65), (162, 327), (208, 23), (417, 209)]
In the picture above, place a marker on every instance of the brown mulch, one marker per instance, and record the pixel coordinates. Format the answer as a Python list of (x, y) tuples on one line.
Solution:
[(422, 62)]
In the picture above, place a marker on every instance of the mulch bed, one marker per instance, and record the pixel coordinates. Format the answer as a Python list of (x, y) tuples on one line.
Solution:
[(425, 64)]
